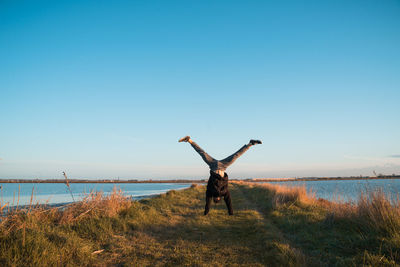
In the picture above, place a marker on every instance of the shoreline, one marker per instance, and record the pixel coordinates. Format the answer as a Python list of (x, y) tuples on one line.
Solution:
[(321, 179), (105, 181), (63, 205)]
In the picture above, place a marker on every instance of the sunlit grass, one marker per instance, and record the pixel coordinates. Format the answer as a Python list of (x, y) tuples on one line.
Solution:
[(365, 232), (272, 226)]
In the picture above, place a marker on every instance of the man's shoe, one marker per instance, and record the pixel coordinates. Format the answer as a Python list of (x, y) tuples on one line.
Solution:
[(255, 142), (184, 139)]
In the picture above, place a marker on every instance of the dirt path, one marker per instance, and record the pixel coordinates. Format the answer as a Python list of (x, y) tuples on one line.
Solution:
[(183, 236), (271, 232)]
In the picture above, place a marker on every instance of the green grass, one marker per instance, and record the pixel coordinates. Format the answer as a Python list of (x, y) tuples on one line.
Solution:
[(334, 234), (171, 230)]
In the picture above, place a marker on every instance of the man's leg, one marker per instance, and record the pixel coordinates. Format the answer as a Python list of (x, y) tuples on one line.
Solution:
[(228, 202), (207, 158), (208, 202), (232, 158)]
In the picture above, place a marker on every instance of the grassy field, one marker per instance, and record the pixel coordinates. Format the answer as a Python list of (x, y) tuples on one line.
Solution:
[(272, 226)]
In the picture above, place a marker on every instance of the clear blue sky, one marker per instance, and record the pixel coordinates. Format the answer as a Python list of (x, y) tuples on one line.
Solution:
[(104, 89)]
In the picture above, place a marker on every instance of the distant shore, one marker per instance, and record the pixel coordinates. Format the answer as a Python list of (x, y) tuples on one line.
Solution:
[(322, 178), (183, 181)]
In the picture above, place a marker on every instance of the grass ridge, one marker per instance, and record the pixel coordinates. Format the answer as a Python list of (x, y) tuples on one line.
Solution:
[(272, 226)]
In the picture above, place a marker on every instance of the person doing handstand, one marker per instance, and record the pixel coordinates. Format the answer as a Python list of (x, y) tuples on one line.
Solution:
[(217, 185)]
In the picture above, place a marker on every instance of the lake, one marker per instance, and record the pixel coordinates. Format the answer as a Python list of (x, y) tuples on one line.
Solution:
[(55, 193), (347, 190)]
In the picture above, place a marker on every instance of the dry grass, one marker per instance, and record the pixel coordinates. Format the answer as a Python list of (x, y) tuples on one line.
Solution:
[(365, 232), (375, 209), (378, 209), (39, 235), (273, 225), (285, 194), (94, 205), (169, 230)]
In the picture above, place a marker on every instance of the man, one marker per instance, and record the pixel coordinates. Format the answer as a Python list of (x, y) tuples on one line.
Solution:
[(217, 185)]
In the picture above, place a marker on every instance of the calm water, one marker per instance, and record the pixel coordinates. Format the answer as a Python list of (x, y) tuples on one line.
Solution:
[(347, 190), (58, 193)]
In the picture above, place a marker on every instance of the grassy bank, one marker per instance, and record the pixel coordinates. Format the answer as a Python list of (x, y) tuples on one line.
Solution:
[(364, 233), (272, 225)]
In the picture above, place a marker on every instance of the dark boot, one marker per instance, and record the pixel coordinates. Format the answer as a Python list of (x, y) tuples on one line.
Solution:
[(255, 142)]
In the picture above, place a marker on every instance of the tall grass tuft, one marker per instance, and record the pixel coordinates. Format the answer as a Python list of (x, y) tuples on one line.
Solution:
[(374, 210), (96, 204), (69, 187), (380, 210), (290, 194), (286, 195)]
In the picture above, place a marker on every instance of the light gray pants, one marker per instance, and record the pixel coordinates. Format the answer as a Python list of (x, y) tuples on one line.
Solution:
[(219, 165)]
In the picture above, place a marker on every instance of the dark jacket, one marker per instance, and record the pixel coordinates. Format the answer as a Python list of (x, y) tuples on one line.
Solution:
[(217, 186)]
